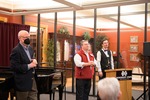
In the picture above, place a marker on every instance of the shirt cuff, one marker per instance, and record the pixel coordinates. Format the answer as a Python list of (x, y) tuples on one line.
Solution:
[(99, 70), (82, 65), (28, 67)]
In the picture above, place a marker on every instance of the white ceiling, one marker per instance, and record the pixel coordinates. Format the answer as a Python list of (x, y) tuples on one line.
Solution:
[(132, 11)]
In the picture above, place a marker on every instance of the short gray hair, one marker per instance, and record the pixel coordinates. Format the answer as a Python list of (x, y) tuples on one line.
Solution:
[(108, 88), (21, 32), (81, 43)]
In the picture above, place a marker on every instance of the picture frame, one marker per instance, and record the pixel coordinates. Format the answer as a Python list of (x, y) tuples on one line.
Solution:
[(133, 48), (133, 57), (133, 39)]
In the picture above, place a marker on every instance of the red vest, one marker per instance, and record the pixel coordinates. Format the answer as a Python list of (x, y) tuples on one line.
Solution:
[(87, 71)]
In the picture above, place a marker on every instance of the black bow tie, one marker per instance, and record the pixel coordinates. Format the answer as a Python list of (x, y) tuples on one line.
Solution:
[(105, 50)]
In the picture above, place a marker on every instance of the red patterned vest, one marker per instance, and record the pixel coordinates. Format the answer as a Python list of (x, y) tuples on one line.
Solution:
[(87, 71)]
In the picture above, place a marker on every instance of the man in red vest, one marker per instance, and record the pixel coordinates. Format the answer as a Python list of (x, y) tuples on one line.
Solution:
[(85, 62)]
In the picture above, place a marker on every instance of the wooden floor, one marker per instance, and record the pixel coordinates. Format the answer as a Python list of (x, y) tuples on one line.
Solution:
[(137, 90), (69, 96)]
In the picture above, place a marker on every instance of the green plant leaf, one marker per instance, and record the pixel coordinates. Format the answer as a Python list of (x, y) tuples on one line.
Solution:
[(86, 36), (63, 30)]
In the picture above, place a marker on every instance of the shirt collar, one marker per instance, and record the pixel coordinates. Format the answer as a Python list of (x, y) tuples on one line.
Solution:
[(86, 52), (25, 47)]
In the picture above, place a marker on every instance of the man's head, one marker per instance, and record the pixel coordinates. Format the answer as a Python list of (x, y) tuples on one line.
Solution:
[(105, 44), (85, 45), (109, 89), (24, 37)]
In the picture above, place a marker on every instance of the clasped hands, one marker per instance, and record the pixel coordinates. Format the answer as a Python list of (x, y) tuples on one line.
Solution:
[(91, 63)]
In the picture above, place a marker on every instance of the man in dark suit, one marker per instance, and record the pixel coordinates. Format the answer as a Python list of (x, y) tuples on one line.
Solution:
[(23, 64), (105, 59)]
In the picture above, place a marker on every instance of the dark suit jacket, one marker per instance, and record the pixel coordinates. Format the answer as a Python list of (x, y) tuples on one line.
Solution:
[(19, 62)]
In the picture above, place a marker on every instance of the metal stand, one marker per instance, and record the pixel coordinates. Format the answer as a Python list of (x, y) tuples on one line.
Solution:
[(147, 90), (65, 79), (149, 76), (142, 94)]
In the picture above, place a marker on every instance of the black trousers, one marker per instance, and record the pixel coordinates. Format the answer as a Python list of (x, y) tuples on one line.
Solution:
[(83, 87)]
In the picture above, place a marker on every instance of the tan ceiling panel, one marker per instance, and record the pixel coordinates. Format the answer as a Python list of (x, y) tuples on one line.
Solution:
[(107, 11)]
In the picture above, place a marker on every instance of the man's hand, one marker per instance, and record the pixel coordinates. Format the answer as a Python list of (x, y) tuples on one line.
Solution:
[(100, 73), (33, 63), (91, 63)]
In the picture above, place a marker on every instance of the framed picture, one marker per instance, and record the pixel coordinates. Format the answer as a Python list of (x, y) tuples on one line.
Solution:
[(133, 48), (133, 39), (133, 57)]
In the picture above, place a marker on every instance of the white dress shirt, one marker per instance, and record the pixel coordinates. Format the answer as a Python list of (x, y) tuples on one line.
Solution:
[(79, 63)]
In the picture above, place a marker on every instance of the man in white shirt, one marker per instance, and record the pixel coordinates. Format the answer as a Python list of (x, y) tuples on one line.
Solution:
[(85, 62), (105, 59)]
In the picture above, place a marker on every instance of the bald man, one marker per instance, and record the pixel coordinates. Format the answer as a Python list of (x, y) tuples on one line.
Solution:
[(23, 65)]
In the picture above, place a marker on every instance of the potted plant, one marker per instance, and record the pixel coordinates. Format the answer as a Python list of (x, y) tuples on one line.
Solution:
[(63, 30), (50, 52), (86, 36)]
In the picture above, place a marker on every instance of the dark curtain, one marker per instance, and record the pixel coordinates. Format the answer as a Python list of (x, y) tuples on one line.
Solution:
[(8, 40)]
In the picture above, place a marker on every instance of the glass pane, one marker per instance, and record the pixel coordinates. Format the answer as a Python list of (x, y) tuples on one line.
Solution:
[(85, 18), (47, 46), (148, 24), (131, 42), (107, 28), (64, 37), (68, 80), (32, 21)]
